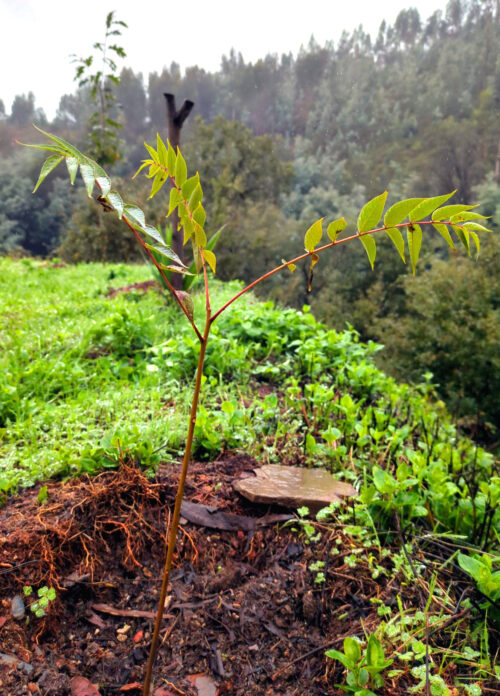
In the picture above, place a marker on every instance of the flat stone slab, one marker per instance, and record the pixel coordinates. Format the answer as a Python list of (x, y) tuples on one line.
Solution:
[(293, 486)]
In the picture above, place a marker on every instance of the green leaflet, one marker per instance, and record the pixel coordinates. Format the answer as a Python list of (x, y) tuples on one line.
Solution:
[(135, 215), (371, 213), (171, 159), (463, 235), (153, 233), (87, 173), (370, 247), (72, 165), (195, 198), (63, 144), (398, 241), (475, 237), (104, 184), (465, 217), (445, 234), (476, 226), (180, 169), (313, 235), (165, 251), (158, 181), (400, 211), (335, 228), (162, 151), (153, 153), (448, 211), (428, 206), (50, 163), (116, 201), (189, 186), (210, 259), (199, 215), (175, 199), (414, 244)]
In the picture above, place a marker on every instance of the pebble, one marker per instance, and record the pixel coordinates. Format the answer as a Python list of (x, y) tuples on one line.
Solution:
[(17, 608)]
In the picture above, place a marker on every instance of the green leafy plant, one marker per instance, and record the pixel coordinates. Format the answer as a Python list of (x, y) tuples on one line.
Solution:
[(186, 196), (45, 594), (103, 124), (481, 568), (364, 666)]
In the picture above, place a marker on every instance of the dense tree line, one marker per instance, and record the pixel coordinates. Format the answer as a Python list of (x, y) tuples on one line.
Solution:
[(287, 139)]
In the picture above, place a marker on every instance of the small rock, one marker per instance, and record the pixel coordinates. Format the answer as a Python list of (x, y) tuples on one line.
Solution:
[(17, 608)]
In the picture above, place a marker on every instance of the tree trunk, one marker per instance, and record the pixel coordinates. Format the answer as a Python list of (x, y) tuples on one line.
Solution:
[(175, 120)]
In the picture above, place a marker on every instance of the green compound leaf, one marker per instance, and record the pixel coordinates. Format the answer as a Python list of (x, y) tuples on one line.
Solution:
[(448, 211), (414, 244), (50, 163), (313, 235), (398, 241), (445, 234), (428, 206), (370, 247), (371, 213), (400, 211), (72, 165), (335, 228)]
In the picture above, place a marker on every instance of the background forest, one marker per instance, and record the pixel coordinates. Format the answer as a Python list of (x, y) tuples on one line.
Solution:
[(288, 139)]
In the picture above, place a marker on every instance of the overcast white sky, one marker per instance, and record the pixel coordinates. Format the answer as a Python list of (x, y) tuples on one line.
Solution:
[(38, 36)]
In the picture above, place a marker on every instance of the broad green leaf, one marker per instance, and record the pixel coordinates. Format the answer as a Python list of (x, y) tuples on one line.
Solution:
[(162, 151), (47, 148), (475, 237), (370, 247), (135, 215), (88, 177), (371, 213), (175, 199), (448, 211), (199, 235), (414, 244), (400, 211), (175, 269), (343, 659), (313, 235), (445, 234), (153, 153), (465, 217), (352, 648), (398, 241), (463, 235), (72, 165), (188, 228), (335, 228), (476, 226), (199, 215), (116, 201), (195, 198), (153, 233), (158, 182), (428, 206), (50, 163), (165, 251), (470, 565), (171, 159), (210, 259), (104, 184), (180, 169), (189, 186)]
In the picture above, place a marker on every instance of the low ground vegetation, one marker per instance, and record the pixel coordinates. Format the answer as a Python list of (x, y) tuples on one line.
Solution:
[(96, 380)]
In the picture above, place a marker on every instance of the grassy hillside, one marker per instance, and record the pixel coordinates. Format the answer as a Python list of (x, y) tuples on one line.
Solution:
[(92, 379)]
